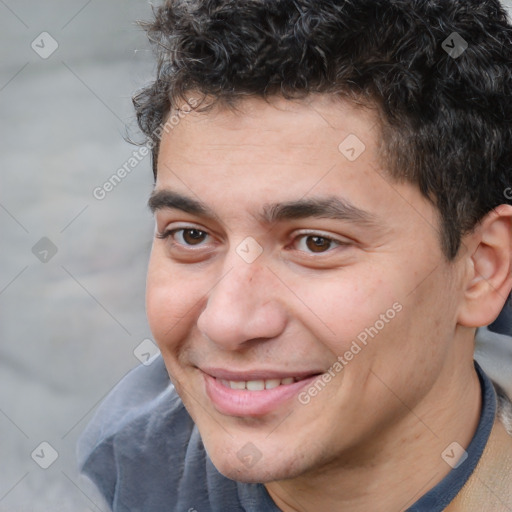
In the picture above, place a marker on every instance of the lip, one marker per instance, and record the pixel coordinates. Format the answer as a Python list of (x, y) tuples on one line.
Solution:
[(235, 402)]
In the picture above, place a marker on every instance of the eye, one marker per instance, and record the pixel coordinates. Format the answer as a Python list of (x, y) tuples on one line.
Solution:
[(316, 243), (184, 236)]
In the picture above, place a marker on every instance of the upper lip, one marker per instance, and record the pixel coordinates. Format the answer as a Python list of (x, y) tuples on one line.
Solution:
[(247, 375)]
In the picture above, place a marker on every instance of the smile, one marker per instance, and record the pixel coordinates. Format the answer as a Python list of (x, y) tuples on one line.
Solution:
[(255, 395)]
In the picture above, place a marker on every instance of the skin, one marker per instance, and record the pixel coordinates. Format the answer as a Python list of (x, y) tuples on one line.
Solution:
[(383, 422)]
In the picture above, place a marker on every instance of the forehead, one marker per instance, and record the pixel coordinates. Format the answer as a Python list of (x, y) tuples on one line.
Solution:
[(237, 161), (275, 129)]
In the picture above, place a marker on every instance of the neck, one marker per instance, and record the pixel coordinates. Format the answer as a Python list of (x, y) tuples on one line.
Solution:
[(401, 464)]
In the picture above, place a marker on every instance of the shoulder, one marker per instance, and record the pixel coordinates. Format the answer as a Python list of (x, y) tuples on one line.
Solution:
[(504, 408), (141, 428), (493, 351), (143, 452)]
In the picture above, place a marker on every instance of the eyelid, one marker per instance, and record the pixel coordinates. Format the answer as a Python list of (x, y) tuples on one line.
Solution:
[(168, 233), (322, 234), (176, 226), (335, 243)]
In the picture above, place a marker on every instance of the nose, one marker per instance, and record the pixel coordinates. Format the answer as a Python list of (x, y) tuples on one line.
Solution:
[(243, 307)]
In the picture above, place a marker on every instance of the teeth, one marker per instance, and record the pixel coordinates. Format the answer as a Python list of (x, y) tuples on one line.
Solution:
[(272, 383), (236, 384), (256, 385)]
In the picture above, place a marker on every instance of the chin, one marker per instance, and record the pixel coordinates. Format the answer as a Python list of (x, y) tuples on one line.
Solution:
[(253, 475), (260, 471)]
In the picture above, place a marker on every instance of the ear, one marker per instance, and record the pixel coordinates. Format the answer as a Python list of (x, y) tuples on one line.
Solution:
[(488, 260)]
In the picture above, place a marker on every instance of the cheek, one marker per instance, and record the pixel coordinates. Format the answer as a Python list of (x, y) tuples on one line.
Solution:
[(343, 306), (374, 323), (171, 297)]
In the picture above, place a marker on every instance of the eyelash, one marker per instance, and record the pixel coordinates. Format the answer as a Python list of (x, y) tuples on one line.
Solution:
[(167, 235)]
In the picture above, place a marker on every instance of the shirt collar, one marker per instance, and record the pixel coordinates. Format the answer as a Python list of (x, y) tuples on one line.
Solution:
[(438, 498)]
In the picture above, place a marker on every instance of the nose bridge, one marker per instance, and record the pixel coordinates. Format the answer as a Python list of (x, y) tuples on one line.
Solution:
[(239, 284), (241, 306)]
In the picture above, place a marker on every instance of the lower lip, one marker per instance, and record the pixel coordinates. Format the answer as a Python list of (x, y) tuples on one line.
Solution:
[(236, 402)]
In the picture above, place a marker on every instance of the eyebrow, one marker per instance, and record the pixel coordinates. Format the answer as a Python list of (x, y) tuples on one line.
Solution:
[(330, 207)]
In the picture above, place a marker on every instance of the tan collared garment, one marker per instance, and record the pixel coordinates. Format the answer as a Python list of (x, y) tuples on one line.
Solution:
[(489, 489)]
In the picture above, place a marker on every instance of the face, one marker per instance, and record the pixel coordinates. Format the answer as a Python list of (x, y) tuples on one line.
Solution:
[(293, 285)]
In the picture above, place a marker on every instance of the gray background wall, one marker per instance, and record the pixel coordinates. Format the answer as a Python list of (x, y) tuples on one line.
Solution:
[(68, 325), (70, 320)]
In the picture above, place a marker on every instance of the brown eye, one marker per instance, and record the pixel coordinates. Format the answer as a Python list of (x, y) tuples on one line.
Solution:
[(185, 237), (193, 236), (314, 243), (318, 243)]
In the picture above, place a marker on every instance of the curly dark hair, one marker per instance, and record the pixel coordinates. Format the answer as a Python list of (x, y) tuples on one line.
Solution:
[(445, 118)]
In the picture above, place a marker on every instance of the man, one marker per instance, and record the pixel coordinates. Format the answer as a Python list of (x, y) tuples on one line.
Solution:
[(331, 229)]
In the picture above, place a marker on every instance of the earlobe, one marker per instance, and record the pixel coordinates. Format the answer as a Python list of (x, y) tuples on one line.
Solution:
[(489, 280)]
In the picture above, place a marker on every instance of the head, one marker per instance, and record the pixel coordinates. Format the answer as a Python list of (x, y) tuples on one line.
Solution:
[(330, 179)]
